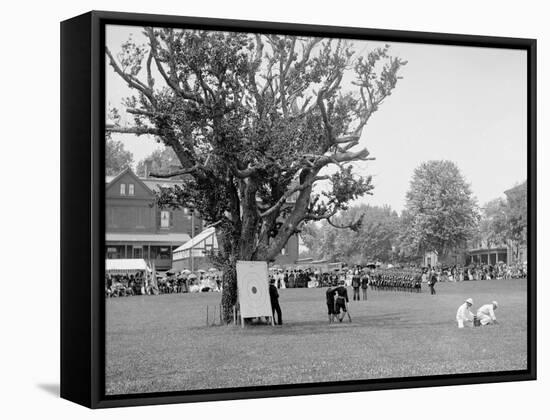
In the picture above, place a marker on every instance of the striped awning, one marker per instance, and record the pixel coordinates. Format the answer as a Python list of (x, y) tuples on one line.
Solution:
[(126, 266)]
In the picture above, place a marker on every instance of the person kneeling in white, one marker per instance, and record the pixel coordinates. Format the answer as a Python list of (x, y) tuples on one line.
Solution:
[(486, 314), (464, 316)]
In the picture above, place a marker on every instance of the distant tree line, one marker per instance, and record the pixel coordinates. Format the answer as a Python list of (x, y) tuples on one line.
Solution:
[(117, 158), (440, 215)]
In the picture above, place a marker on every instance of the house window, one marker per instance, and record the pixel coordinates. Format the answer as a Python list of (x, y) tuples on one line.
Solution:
[(122, 189), (130, 189), (164, 219)]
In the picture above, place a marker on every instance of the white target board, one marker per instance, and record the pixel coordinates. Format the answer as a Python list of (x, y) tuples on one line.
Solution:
[(253, 289)]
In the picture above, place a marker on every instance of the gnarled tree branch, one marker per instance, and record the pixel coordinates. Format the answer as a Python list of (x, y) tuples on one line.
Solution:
[(138, 131), (172, 174)]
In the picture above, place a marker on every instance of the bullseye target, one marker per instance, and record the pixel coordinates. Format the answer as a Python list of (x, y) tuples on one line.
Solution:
[(253, 289)]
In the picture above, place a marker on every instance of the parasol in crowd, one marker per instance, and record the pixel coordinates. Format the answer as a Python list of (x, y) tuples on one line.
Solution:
[(201, 271), (212, 270), (192, 276), (186, 271)]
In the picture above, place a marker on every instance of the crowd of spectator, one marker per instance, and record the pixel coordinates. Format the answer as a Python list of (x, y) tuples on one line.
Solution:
[(381, 277), (476, 272), (396, 276), (118, 285)]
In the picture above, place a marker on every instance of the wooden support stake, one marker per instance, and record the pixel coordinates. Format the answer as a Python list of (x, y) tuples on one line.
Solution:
[(207, 315)]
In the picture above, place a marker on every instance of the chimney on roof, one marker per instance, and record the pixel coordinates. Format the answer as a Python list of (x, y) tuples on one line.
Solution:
[(148, 167)]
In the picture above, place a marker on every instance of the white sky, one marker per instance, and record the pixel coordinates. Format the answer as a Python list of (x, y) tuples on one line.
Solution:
[(468, 105)]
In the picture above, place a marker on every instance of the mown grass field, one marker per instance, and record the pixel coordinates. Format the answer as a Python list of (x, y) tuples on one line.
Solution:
[(161, 343)]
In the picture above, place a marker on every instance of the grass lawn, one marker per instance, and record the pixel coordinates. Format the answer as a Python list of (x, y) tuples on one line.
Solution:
[(161, 343)]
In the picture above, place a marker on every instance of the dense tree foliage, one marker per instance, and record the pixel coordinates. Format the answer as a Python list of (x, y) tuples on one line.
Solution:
[(162, 160), (441, 213), (116, 157), (255, 120), (504, 221), (374, 240), (492, 224)]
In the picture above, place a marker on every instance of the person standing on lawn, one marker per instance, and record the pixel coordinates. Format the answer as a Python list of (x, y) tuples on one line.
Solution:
[(356, 283), (275, 307), (330, 304), (291, 279), (340, 301), (432, 282), (364, 284), (282, 284)]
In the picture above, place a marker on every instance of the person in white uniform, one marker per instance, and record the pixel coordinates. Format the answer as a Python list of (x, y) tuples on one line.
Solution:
[(486, 314), (463, 315), (281, 281)]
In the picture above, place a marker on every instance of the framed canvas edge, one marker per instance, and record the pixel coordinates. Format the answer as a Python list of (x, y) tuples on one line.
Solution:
[(97, 397)]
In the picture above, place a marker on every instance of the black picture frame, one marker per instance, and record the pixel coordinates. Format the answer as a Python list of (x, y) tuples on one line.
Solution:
[(83, 200)]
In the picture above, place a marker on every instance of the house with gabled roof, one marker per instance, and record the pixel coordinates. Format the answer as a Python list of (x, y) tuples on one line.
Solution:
[(135, 227)]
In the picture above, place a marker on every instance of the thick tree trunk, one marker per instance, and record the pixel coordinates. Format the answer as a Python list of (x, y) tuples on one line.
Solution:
[(229, 292), (234, 251)]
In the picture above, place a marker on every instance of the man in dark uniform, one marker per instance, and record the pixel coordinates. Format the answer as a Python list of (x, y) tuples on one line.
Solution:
[(330, 304), (274, 297), (433, 281), (340, 301), (418, 283), (364, 285), (355, 283), (291, 279)]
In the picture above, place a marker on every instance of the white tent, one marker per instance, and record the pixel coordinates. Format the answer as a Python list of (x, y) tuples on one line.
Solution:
[(126, 266), (198, 246)]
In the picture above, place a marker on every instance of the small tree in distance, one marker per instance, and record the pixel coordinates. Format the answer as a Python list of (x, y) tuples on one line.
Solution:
[(505, 220), (117, 158), (162, 161), (372, 241)]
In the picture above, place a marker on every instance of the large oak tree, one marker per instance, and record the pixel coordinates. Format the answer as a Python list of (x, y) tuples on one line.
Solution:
[(255, 120)]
